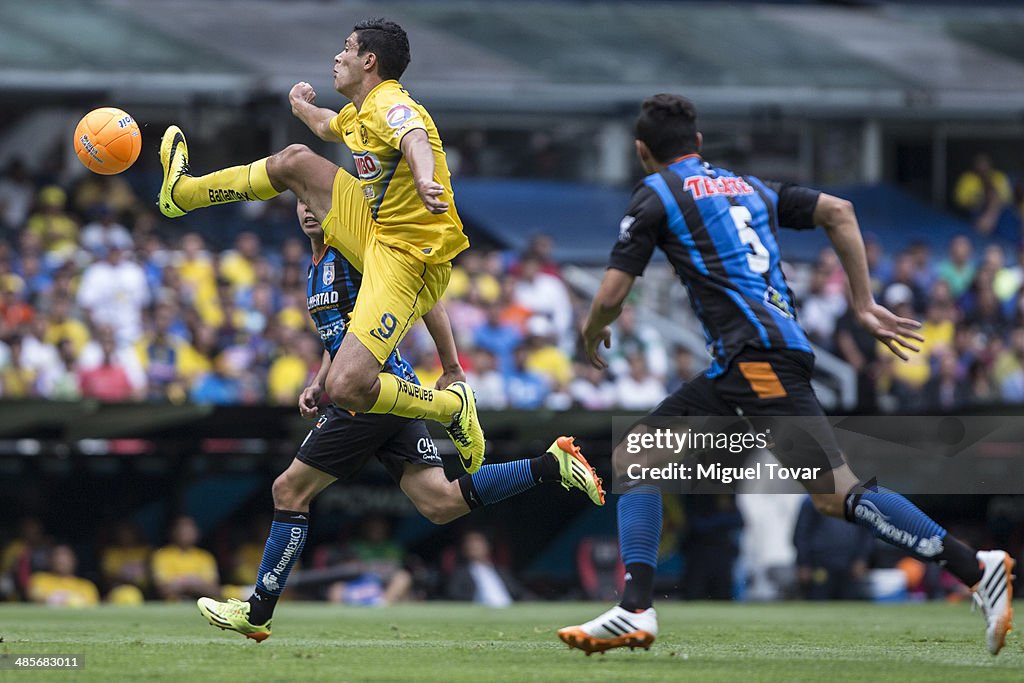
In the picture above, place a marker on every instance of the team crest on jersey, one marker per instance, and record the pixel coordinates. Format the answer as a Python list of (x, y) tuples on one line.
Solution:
[(328, 276), (398, 115), (367, 165)]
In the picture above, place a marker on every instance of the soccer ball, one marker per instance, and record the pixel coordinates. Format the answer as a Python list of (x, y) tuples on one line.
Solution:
[(107, 140)]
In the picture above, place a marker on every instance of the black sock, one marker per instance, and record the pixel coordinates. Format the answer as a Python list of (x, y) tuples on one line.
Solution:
[(261, 606), (960, 560), (469, 492), (639, 587), (544, 468)]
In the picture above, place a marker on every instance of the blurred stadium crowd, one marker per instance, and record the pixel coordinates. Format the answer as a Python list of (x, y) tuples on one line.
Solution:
[(99, 300)]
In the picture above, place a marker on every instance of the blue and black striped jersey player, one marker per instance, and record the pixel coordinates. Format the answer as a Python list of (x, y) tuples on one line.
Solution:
[(342, 442), (718, 231)]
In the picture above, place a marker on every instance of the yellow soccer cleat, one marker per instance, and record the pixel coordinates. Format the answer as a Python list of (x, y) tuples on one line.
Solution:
[(232, 615), (465, 429), (576, 471), (174, 160)]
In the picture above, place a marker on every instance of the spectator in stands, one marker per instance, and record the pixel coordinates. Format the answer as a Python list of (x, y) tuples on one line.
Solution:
[(487, 381), (831, 555), (113, 292), (1010, 369), (36, 276), (915, 371), (167, 359), (59, 587), (217, 386), (859, 348), (61, 382), (985, 195), (710, 545), (16, 192), (181, 569), (198, 276), (291, 372), (26, 554), (543, 357), (683, 367), (107, 381), (633, 338), (125, 561), (820, 309), (56, 229), (946, 392), (958, 269), (376, 562), (905, 272), (526, 390), (477, 579), (639, 389), (591, 389), (545, 294), (103, 231), (498, 337), (17, 378), (892, 393), (237, 265), (15, 311), (542, 248)]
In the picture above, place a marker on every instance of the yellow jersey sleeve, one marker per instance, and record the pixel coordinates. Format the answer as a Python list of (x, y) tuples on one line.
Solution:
[(394, 114)]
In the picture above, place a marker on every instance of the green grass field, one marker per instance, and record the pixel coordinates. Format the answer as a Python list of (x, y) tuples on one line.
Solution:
[(444, 642)]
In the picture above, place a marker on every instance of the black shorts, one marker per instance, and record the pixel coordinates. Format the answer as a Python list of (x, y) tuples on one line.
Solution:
[(760, 385), (341, 443)]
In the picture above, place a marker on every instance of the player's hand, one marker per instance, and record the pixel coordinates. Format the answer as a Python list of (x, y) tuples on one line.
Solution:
[(430, 193), (895, 332), (456, 374), (592, 343), (302, 92), (309, 401)]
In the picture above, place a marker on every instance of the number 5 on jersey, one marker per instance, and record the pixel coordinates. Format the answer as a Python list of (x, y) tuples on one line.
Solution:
[(758, 259)]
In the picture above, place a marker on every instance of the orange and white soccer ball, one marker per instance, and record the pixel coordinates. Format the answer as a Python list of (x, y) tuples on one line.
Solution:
[(107, 140)]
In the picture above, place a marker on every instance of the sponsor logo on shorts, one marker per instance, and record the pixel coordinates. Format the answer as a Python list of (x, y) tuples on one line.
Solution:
[(427, 450)]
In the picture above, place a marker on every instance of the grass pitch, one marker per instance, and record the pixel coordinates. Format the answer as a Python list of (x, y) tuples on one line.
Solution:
[(829, 642)]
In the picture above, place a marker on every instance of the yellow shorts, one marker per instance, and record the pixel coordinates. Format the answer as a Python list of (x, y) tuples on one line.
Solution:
[(397, 288)]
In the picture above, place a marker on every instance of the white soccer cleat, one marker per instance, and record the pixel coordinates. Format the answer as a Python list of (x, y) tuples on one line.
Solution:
[(994, 594), (615, 628)]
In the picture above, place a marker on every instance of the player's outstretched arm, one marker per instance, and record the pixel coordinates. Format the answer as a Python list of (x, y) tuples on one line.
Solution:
[(309, 399), (836, 215), (604, 310), (440, 328), (317, 119), (420, 157)]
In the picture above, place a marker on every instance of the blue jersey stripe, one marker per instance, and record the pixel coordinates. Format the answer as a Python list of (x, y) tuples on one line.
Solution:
[(675, 219), (732, 254)]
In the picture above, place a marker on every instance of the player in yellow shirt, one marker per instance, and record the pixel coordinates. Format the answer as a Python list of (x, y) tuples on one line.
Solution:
[(396, 223)]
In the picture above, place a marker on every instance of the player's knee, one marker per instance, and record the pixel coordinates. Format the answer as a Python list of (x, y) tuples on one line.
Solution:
[(288, 163), (287, 495), (351, 391), (829, 504), (438, 511)]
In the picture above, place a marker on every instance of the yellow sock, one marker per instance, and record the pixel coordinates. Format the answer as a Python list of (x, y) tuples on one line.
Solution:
[(235, 184), (406, 399)]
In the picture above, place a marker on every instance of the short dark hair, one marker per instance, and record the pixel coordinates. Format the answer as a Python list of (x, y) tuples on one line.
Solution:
[(668, 126), (388, 41)]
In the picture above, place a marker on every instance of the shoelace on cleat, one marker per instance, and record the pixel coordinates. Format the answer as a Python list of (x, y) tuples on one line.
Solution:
[(456, 432)]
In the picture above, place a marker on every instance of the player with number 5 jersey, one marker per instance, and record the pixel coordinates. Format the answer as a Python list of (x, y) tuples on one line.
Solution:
[(718, 231)]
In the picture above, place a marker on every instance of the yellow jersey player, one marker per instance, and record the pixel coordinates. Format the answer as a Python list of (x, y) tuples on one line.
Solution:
[(396, 223)]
